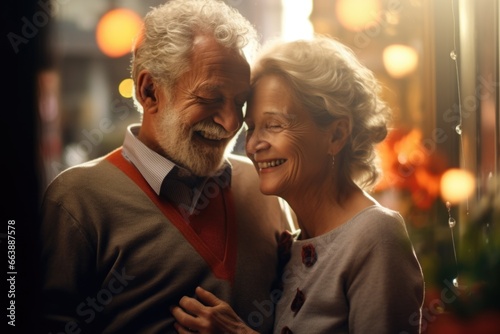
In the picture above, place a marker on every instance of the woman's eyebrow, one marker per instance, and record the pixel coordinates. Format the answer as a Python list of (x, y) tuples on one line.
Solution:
[(276, 113), (286, 116)]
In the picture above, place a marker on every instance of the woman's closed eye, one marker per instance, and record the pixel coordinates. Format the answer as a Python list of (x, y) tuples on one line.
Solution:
[(274, 126)]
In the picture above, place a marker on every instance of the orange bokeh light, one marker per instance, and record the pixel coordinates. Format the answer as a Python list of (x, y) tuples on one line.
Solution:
[(357, 15), (116, 31), (457, 185), (400, 60)]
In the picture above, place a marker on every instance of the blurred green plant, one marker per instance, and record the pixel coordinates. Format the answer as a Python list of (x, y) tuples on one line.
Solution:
[(479, 256)]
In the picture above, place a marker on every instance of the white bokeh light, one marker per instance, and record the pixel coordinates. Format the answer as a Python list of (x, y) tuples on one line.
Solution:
[(295, 19)]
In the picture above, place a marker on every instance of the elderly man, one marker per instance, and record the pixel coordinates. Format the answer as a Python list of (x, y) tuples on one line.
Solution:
[(125, 236)]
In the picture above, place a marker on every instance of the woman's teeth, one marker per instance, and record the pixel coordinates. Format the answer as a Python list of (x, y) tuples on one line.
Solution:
[(267, 164)]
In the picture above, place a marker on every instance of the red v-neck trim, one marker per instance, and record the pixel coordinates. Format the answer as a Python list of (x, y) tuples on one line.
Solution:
[(224, 269)]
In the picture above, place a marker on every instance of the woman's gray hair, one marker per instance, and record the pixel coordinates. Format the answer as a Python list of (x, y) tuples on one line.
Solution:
[(164, 44), (329, 81)]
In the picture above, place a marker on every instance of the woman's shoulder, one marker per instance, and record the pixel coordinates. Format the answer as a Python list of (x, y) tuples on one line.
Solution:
[(380, 214), (379, 223)]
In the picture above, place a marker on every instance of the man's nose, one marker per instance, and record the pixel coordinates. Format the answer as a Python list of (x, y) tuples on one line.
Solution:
[(230, 117)]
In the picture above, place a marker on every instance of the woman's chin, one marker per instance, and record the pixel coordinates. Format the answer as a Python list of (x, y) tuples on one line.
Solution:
[(267, 190)]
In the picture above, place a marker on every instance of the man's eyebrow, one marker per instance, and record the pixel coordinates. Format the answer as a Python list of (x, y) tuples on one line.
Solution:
[(206, 87), (211, 88)]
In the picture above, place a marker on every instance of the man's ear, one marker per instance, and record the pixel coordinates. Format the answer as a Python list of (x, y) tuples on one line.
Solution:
[(339, 132), (147, 92)]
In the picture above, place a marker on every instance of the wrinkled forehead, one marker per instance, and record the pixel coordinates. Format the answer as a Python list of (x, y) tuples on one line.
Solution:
[(214, 66), (271, 94), (206, 48)]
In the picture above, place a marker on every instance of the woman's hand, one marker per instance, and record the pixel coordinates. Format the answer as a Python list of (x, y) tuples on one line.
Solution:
[(208, 315)]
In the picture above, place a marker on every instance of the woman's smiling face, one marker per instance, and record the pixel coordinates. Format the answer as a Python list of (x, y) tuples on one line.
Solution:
[(289, 150)]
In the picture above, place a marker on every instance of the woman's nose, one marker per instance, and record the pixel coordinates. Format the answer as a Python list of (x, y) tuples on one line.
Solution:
[(255, 143)]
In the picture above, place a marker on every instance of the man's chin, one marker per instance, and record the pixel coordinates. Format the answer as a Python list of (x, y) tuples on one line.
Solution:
[(207, 163), (200, 158)]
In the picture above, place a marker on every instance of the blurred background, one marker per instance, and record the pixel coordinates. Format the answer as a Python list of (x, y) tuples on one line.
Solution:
[(438, 61)]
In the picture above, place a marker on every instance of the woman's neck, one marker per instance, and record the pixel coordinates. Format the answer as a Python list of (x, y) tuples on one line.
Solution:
[(322, 213)]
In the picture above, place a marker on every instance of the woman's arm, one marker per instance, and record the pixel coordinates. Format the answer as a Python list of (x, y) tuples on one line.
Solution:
[(208, 315)]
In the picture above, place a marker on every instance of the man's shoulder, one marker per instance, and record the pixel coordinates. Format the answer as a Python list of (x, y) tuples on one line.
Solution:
[(265, 209), (245, 179), (81, 176), (88, 167), (243, 172), (242, 165), (239, 159)]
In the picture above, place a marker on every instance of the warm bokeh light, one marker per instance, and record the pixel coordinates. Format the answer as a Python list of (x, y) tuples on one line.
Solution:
[(295, 19), (356, 15), (457, 185), (126, 88), (400, 60), (116, 31)]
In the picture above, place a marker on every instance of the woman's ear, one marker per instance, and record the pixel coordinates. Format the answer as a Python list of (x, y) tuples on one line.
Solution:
[(339, 131), (147, 92)]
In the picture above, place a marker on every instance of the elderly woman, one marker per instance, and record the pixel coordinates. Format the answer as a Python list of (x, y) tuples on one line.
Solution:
[(313, 121)]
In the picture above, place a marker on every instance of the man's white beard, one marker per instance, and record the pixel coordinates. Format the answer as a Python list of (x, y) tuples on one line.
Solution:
[(176, 140)]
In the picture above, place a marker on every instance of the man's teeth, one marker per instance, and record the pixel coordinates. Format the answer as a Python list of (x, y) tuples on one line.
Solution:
[(210, 136), (268, 164)]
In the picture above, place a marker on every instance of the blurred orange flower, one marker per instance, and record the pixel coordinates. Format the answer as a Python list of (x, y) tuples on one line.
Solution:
[(410, 165)]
